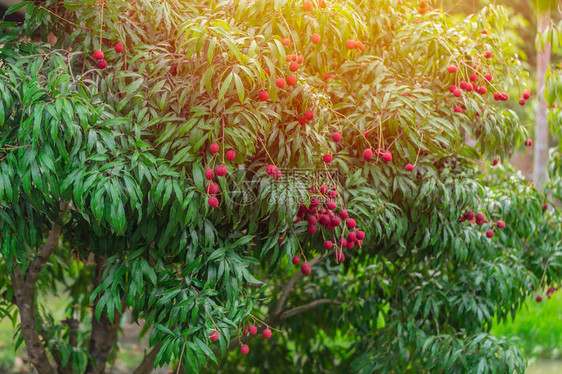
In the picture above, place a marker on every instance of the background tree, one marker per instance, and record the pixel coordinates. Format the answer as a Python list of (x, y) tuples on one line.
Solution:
[(160, 178)]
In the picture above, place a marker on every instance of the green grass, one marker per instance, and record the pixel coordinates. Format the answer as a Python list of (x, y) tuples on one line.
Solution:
[(538, 326)]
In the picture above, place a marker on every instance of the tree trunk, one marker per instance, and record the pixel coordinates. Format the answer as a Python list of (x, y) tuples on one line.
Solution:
[(104, 333), (540, 162)]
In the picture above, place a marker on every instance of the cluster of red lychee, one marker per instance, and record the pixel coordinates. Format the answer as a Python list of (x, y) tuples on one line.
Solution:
[(352, 44), (549, 291), (219, 171), (479, 219), (99, 55), (306, 117), (308, 5), (246, 331), (423, 8)]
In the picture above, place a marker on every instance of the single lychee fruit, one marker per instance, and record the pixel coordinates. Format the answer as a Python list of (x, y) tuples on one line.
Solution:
[(327, 76), (212, 188), (469, 87), (367, 154), (387, 156), (119, 47), (291, 80), (328, 244), (98, 55), (269, 169), (102, 64), (539, 298), (452, 88), (309, 115), (409, 167), (457, 92), (458, 109), (214, 336), (352, 236), (473, 77), (244, 349), (484, 32), (289, 58), (544, 206), (263, 95), (495, 162), (302, 120), (315, 38), (488, 77), (213, 202), (526, 94), (214, 148), (482, 90), (360, 235), (230, 154), (489, 234), (307, 5), (521, 101), (488, 54), (360, 46), (344, 214), (294, 66), (267, 71), (280, 82), (529, 143), (286, 41), (336, 137), (351, 223), (305, 269), (253, 330), (350, 44), (312, 229), (331, 205), (220, 170), (209, 174), (452, 69), (266, 333), (500, 224), (340, 257), (327, 158)]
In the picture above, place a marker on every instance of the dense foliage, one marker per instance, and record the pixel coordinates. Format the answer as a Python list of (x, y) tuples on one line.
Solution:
[(104, 185)]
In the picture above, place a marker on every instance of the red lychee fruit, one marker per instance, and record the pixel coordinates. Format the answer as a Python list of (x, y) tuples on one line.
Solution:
[(309, 115), (286, 41), (300, 60), (280, 82), (350, 44), (263, 95), (351, 223), (458, 109), (230, 154), (544, 206), (312, 229), (305, 269), (119, 47), (360, 235), (526, 94), (270, 169), (253, 330), (321, 3), (267, 71), (360, 46), (244, 349), (328, 244), (289, 58), (539, 298), (102, 64), (352, 236), (214, 336), (484, 32), (307, 5), (336, 137), (327, 158), (457, 92), (463, 85), (452, 69), (488, 54), (291, 80), (315, 38), (212, 188), (220, 170), (294, 66), (266, 333), (495, 162), (489, 234), (387, 156), (452, 88), (98, 55), (331, 205), (335, 221), (529, 143), (209, 174), (521, 101), (214, 148), (409, 167), (340, 257), (302, 120), (500, 224), (327, 76), (367, 154), (488, 77), (482, 90), (344, 214), (213, 202), (473, 77)]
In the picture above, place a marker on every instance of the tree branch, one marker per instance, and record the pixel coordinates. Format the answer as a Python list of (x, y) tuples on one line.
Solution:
[(303, 308), (147, 364)]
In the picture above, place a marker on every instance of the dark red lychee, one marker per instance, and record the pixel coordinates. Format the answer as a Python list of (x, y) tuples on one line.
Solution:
[(452, 69), (336, 137), (213, 202), (328, 244), (500, 224), (102, 64), (98, 55), (220, 170), (489, 234), (253, 330), (291, 80), (209, 174), (387, 156), (266, 333), (263, 95), (244, 349), (214, 336), (119, 47), (409, 167), (212, 188), (296, 259), (294, 66), (340, 257), (280, 82), (305, 269), (230, 154), (309, 115), (327, 158), (367, 154)]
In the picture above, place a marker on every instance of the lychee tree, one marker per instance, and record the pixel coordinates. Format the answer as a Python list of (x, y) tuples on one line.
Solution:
[(292, 181)]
